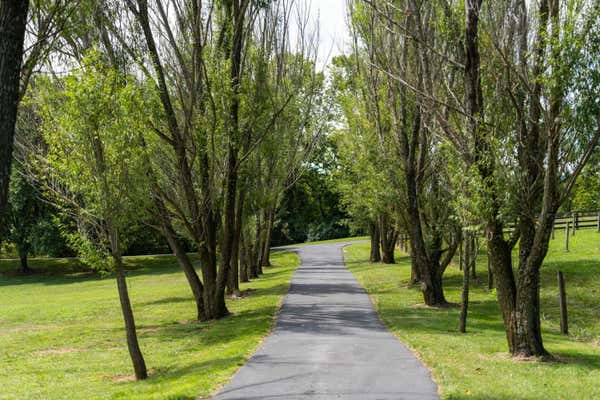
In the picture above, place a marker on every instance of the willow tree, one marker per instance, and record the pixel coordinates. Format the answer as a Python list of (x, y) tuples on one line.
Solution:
[(515, 102), (369, 191), (556, 35), (391, 38), (94, 169)]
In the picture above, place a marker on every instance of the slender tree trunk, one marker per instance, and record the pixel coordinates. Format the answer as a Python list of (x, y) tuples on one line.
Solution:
[(139, 365), (237, 16), (233, 285), (258, 246), (243, 254), (178, 250), (490, 273), (375, 240), (188, 268), (473, 265), (13, 20), (464, 306), (270, 217), (23, 253), (230, 226)]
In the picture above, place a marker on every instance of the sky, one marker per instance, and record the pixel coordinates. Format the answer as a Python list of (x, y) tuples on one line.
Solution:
[(333, 32)]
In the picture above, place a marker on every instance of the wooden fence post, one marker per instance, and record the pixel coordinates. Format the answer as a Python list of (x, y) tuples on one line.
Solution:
[(564, 325), (553, 222), (574, 222), (598, 228), (567, 236)]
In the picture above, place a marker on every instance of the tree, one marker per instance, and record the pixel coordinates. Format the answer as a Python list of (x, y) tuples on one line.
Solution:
[(25, 43), (389, 48), (13, 20), (98, 175), (516, 131), (33, 224)]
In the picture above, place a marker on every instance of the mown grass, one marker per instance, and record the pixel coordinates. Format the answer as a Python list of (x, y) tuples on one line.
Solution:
[(340, 240), (475, 365), (62, 336)]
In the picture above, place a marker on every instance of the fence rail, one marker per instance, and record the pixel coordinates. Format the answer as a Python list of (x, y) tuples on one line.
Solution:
[(580, 219)]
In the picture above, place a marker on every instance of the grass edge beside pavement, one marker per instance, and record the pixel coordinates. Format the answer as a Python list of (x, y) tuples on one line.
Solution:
[(476, 365)]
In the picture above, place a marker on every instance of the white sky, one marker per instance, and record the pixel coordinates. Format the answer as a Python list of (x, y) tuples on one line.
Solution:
[(333, 31)]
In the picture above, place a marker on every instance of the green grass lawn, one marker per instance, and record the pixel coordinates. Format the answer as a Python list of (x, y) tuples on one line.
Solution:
[(62, 335), (475, 365), (340, 240)]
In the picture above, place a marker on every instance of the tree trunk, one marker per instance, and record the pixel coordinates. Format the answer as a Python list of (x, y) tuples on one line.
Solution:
[(473, 257), (230, 226), (243, 255), (266, 257), (506, 289), (490, 273), (23, 258), (178, 250), (258, 246), (188, 268), (233, 282), (464, 306), (139, 365), (214, 297), (388, 237), (434, 296), (375, 253), (13, 20)]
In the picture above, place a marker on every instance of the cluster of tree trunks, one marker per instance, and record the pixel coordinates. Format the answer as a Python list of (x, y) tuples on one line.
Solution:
[(384, 236), (538, 157)]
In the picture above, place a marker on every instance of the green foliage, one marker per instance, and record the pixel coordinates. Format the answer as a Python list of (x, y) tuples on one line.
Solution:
[(310, 211), (586, 193), (33, 223), (91, 125)]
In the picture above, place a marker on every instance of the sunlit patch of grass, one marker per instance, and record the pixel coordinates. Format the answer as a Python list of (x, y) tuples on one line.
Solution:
[(475, 365), (62, 335)]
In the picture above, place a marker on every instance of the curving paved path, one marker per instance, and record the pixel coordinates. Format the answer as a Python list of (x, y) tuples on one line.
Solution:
[(328, 343)]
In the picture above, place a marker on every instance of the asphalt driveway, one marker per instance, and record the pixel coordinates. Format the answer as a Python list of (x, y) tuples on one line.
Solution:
[(328, 343)]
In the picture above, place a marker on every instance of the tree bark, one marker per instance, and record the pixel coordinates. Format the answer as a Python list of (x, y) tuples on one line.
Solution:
[(233, 284), (188, 268), (375, 239), (23, 253), (473, 258), (139, 365), (13, 21), (202, 223), (388, 238), (266, 257), (243, 255)]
